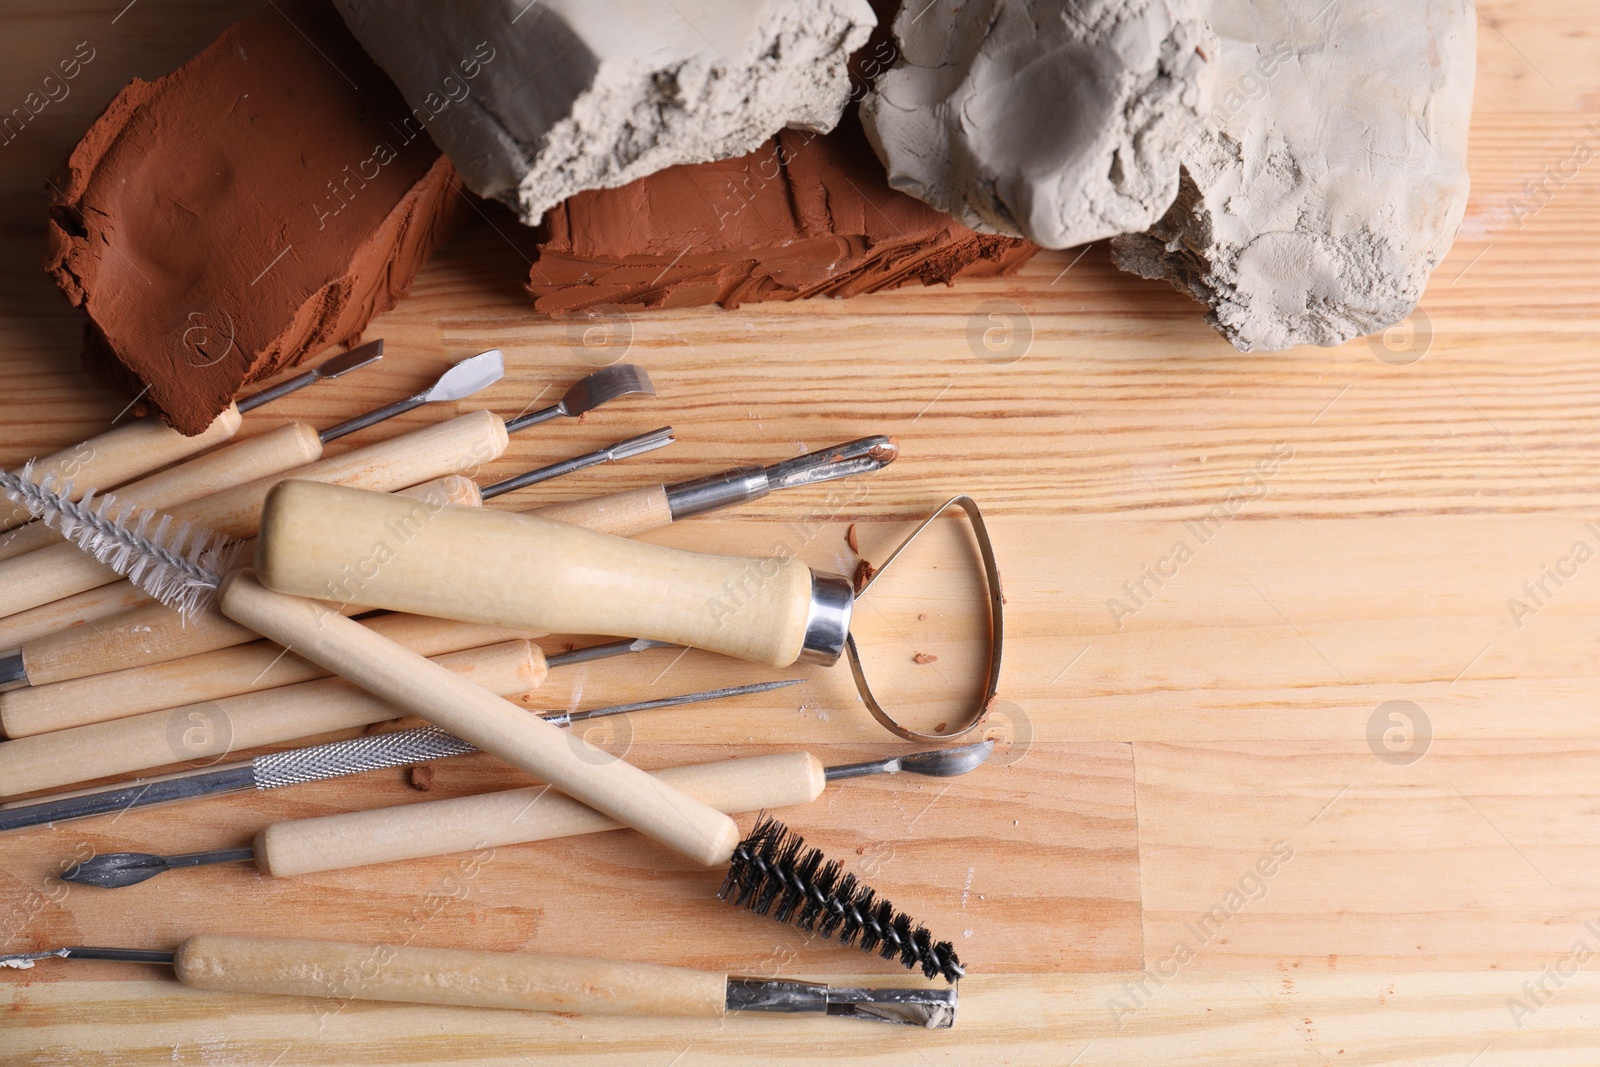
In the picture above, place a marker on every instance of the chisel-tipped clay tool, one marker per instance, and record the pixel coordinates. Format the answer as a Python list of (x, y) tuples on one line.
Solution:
[(515, 980), (511, 816), (180, 566), (334, 367), (110, 670), (638, 510), (464, 443), (280, 449)]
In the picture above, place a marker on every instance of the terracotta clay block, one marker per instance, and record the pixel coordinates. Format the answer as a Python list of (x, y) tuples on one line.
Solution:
[(805, 215), (261, 203)]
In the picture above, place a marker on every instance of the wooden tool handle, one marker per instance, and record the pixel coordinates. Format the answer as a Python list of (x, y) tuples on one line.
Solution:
[(495, 725), (215, 675), (623, 514), (291, 445), (125, 452), (157, 634), (514, 816), (462, 444), (69, 613), (349, 971), (523, 570), (217, 728)]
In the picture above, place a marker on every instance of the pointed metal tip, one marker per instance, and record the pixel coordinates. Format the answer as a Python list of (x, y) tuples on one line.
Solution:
[(861, 456), (468, 376), (114, 870), (354, 359)]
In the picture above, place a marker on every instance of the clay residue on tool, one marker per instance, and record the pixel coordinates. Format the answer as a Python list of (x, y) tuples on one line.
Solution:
[(259, 204), (804, 215)]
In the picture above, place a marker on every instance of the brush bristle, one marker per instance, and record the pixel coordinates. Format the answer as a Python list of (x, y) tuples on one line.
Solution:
[(178, 563), (774, 873)]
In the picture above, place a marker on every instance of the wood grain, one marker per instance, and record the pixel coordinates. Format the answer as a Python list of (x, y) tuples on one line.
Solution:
[(1152, 757)]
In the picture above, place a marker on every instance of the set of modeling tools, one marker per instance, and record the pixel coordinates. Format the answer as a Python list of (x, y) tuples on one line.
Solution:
[(179, 592)]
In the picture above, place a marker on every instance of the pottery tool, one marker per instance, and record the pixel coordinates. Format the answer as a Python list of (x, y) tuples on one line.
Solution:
[(280, 449), (287, 712), (130, 663), (527, 571), (176, 575), (516, 980), (345, 362), (463, 443), (52, 653), (508, 817), (638, 510)]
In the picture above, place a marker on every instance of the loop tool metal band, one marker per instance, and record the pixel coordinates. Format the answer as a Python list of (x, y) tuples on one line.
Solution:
[(991, 575)]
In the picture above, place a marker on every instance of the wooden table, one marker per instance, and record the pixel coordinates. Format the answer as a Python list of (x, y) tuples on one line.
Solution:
[(1332, 687)]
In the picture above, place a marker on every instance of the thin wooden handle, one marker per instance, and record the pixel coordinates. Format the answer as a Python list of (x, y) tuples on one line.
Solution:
[(216, 728), (120, 454), (69, 613), (522, 570), (471, 979), (459, 445), (156, 634), (495, 725), (515, 816), (291, 445), (623, 514), (214, 675)]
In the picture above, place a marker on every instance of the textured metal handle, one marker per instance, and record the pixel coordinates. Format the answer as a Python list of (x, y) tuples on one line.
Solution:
[(358, 754)]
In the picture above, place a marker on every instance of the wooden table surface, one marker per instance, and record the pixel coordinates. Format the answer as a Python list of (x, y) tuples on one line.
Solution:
[(1331, 685)]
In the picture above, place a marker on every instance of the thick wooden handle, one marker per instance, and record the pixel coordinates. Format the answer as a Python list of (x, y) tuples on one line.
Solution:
[(522, 570), (125, 452), (495, 725), (156, 634), (233, 724), (282, 449), (462, 444), (214, 675), (413, 975), (514, 816), (622, 514)]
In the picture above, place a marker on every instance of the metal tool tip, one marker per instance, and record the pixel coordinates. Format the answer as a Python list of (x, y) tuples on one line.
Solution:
[(113, 870), (468, 376), (949, 762), (933, 1009), (645, 442), (354, 359)]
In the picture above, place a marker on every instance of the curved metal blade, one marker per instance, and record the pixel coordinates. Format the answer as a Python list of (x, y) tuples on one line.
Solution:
[(948, 762), (590, 392), (467, 377), (355, 359), (113, 870)]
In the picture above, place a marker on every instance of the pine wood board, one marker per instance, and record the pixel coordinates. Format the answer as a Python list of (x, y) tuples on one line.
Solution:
[(1149, 759)]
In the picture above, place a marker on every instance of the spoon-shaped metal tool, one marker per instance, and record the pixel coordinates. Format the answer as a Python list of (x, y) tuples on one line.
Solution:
[(459, 382)]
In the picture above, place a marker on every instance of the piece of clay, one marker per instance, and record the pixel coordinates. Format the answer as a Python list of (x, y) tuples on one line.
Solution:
[(1058, 120), (1331, 176), (260, 203), (805, 215), (571, 95)]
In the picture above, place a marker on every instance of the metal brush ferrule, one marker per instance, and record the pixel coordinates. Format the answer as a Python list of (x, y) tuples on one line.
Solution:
[(738, 486), (13, 672), (827, 619), (934, 1009)]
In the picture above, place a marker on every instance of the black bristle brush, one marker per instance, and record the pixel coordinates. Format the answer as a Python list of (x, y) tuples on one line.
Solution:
[(774, 873)]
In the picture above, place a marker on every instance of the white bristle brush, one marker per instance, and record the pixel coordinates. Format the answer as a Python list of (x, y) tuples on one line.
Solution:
[(178, 563)]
